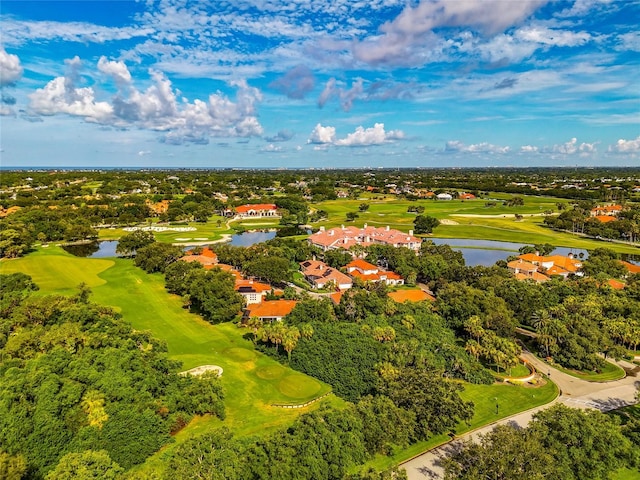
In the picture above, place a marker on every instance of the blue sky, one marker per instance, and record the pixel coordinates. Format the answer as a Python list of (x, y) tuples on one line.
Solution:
[(308, 83)]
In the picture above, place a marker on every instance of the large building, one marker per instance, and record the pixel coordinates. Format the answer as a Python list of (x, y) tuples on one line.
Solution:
[(258, 210), (346, 237), (368, 272)]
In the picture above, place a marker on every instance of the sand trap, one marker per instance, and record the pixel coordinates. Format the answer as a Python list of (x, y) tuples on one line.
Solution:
[(201, 238), (183, 239), (446, 221), (202, 369)]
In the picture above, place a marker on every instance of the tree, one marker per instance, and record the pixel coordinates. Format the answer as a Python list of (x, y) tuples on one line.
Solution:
[(12, 467), (87, 465), (363, 207), (156, 256), (129, 243), (270, 269), (351, 216), (425, 224)]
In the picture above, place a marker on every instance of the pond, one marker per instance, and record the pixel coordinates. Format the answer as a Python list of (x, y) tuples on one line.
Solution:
[(246, 239), (488, 252), (103, 249)]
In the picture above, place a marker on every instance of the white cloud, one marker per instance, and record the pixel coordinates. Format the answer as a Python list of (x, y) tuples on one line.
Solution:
[(528, 149), (626, 146), (322, 135), (484, 147), (572, 147), (547, 36), (117, 70), (156, 108), (61, 95), (629, 42), (370, 136), (375, 135), (144, 153), (10, 68), (271, 148), (345, 96)]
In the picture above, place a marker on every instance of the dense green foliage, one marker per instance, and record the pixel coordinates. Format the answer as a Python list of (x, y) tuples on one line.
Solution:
[(559, 443), (76, 378)]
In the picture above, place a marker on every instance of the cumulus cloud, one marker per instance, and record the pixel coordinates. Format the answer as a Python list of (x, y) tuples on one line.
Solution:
[(572, 147), (361, 137), (629, 42), (296, 83), (415, 24), (322, 135), (10, 68), (484, 147), (370, 136), (116, 70), (626, 146), (61, 95), (156, 108)]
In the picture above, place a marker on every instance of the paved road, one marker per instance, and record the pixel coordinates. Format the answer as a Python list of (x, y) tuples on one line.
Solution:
[(574, 393)]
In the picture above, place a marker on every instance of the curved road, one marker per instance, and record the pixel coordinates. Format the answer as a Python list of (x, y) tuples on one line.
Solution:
[(575, 393)]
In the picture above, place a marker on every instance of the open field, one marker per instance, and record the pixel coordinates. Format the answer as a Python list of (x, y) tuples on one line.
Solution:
[(466, 219), (510, 399)]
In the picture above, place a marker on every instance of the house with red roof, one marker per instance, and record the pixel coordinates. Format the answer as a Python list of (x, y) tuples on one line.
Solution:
[(553, 264), (270, 310), (207, 258), (257, 210), (466, 196), (368, 272), (252, 291), (321, 275), (631, 268), (607, 210), (346, 237)]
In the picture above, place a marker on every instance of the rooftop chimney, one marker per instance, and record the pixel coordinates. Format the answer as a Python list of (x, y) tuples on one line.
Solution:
[(387, 228), (365, 225), (411, 233), (322, 228)]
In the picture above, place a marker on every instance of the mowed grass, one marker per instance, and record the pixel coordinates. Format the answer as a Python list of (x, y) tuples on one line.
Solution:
[(511, 399), (609, 373), (56, 271), (252, 381)]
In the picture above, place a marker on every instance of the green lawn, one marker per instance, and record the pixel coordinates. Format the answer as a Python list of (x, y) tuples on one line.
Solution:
[(609, 373), (510, 399)]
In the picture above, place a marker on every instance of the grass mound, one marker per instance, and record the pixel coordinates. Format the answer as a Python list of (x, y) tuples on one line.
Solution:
[(299, 386), (239, 354), (270, 372)]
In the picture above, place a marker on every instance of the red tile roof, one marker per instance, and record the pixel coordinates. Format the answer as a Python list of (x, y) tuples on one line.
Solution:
[(272, 308), (631, 268), (256, 207), (416, 295)]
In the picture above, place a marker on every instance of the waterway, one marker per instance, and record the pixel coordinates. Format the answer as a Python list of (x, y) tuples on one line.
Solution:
[(246, 239)]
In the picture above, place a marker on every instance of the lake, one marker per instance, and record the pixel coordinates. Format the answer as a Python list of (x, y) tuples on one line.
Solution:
[(102, 249), (246, 239), (488, 252)]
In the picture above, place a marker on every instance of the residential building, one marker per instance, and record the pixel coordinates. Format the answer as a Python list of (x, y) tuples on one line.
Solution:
[(466, 196), (368, 272), (554, 264), (207, 258), (252, 291), (270, 310), (609, 210), (444, 196), (258, 210), (346, 237), (631, 268), (320, 275)]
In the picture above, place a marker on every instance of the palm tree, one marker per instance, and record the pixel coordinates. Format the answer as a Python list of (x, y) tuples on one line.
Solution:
[(473, 348), (290, 340), (306, 330)]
